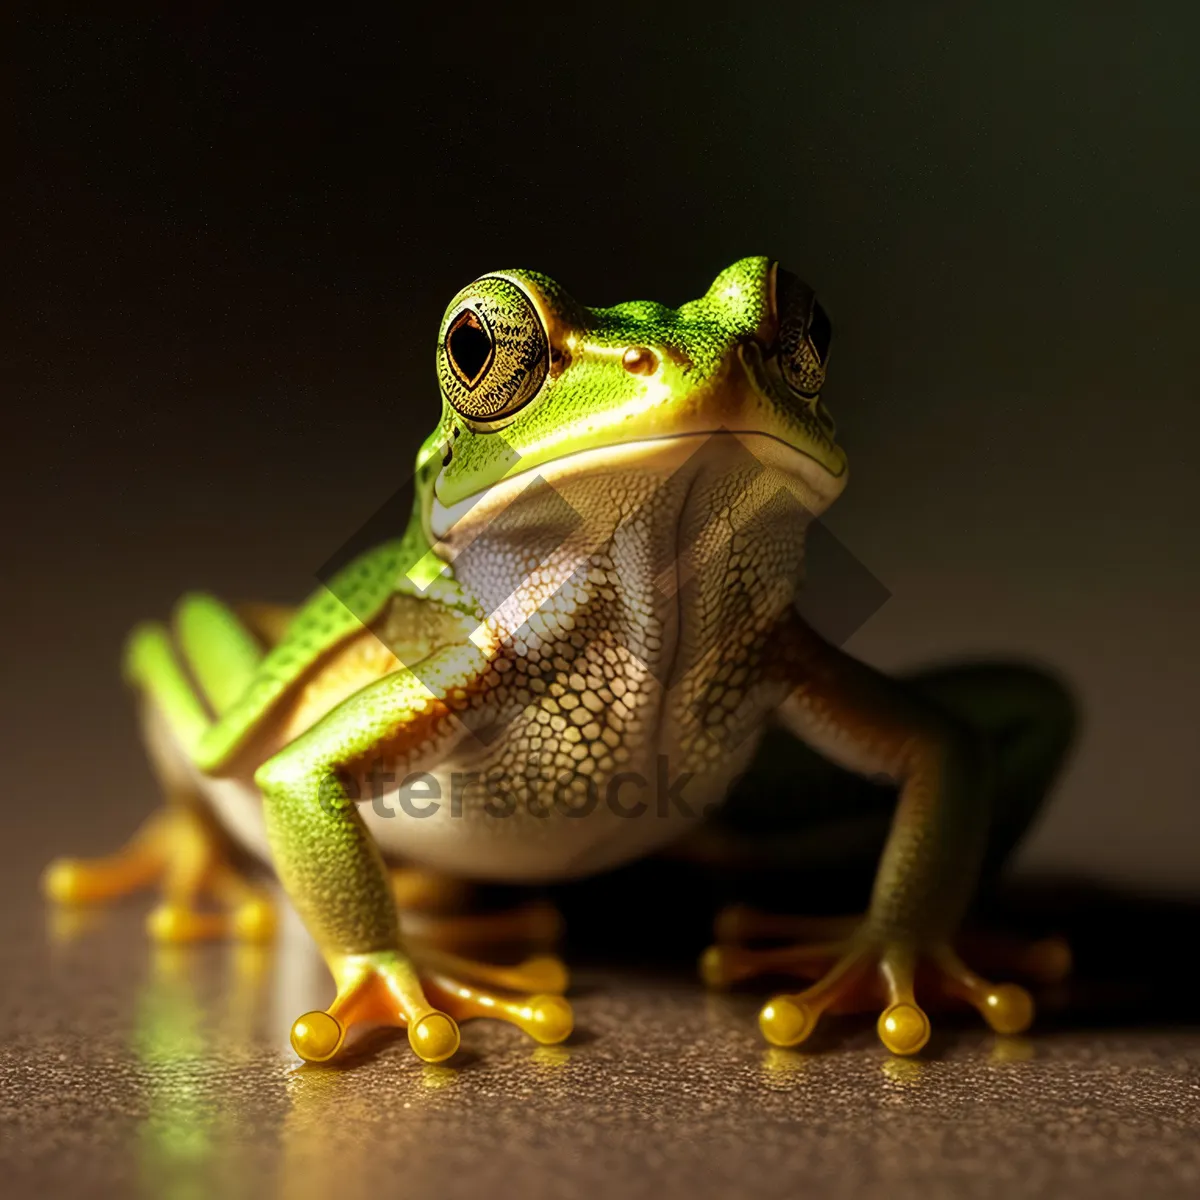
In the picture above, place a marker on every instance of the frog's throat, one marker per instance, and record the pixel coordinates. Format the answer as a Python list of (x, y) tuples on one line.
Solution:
[(821, 485)]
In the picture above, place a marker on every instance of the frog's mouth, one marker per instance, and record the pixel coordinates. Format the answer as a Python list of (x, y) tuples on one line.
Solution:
[(748, 405), (812, 482)]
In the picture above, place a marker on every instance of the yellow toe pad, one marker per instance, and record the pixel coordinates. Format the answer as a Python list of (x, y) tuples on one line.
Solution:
[(786, 1023), (434, 1037), (903, 1028), (317, 1036)]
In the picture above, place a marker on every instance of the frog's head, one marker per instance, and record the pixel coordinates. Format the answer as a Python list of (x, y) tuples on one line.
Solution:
[(534, 382)]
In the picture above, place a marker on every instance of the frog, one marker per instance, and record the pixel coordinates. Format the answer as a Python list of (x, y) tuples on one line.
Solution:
[(586, 640)]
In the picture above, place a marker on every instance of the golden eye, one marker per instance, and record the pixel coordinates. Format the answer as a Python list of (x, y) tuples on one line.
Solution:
[(493, 354), (805, 331)]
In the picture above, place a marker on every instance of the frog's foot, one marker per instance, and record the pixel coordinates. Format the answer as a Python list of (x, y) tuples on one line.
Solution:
[(1044, 960), (857, 967), (136, 865), (388, 988), (245, 913), (177, 850)]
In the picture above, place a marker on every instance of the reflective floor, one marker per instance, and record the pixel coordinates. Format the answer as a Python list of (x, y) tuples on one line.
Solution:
[(133, 1071)]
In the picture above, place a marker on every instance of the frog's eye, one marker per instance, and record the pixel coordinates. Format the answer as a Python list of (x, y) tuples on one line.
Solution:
[(805, 332), (493, 354)]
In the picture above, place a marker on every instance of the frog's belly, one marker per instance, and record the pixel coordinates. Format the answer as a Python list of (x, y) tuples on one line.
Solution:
[(447, 820), (440, 823), (443, 820)]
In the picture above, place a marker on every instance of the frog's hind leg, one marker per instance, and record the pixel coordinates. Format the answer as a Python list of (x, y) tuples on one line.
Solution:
[(1029, 717), (218, 647), (180, 848), (205, 894), (134, 866)]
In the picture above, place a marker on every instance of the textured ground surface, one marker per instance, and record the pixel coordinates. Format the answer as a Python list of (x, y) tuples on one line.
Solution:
[(129, 1071)]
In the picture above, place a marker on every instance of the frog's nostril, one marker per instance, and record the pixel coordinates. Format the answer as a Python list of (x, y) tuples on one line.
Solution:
[(640, 360)]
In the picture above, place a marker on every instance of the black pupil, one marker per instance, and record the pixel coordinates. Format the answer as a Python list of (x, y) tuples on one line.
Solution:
[(469, 346), (820, 331)]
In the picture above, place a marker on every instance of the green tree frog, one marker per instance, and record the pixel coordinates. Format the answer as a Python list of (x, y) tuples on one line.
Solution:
[(587, 635)]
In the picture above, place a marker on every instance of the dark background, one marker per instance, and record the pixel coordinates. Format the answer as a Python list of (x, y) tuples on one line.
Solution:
[(230, 240)]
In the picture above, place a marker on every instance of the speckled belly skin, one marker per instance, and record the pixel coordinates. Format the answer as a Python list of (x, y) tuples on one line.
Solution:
[(637, 668)]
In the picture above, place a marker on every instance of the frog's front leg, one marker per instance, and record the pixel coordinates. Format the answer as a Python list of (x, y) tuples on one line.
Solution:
[(946, 780), (335, 875)]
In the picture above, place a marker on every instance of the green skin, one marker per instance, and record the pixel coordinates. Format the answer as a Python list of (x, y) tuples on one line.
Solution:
[(610, 408)]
